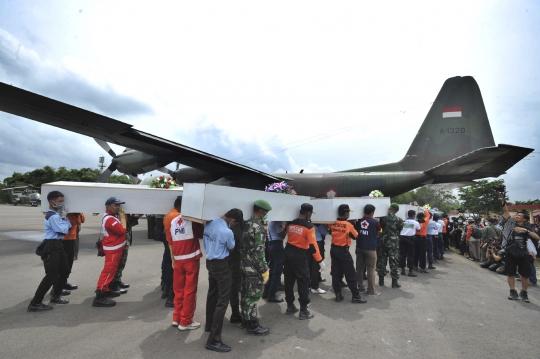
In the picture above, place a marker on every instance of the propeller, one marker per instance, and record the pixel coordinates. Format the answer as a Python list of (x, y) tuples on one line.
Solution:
[(168, 171), (104, 176)]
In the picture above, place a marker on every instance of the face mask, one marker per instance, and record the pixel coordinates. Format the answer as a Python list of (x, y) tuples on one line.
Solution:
[(265, 217), (230, 224), (459, 221), (486, 224), (58, 206)]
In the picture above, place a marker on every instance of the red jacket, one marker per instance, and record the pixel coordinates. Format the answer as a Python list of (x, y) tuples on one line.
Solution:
[(114, 234), (184, 237)]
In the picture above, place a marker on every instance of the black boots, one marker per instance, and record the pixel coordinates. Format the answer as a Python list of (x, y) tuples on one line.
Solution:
[(166, 291), (112, 293), (236, 317), (265, 293), (40, 307), (305, 314), (101, 300), (402, 271), (116, 287), (339, 297), (381, 281), (431, 266), (254, 328), (395, 283), (357, 299), (58, 299), (170, 299), (412, 274), (291, 309), (273, 298)]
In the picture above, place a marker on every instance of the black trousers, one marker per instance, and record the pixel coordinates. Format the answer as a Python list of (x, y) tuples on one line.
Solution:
[(343, 265), (69, 248), (276, 254), (56, 272), (236, 279), (446, 240), (314, 271), (421, 249), (166, 263), (436, 240), (217, 300), (295, 268), (407, 251)]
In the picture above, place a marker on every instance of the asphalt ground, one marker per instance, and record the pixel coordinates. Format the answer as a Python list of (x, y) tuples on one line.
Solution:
[(457, 311)]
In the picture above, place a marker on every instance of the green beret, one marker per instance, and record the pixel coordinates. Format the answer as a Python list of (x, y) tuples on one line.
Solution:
[(395, 206), (261, 203)]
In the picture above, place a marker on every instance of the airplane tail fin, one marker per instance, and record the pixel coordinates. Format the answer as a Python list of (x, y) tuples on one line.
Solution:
[(456, 124)]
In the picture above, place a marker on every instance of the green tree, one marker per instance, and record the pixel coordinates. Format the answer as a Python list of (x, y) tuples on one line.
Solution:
[(441, 199), (48, 174), (480, 198)]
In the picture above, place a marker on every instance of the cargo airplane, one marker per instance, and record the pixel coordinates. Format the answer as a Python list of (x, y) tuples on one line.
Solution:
[(453, 147)]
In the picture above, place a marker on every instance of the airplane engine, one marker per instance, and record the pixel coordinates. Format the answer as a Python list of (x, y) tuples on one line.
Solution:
[(188, 174)]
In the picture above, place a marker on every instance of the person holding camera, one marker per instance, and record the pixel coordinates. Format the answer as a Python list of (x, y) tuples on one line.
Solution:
[(517, 248), (489, 234), (473, 236), (493, 260)]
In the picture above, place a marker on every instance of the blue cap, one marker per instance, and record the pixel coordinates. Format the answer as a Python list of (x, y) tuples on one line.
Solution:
[(112, 200)]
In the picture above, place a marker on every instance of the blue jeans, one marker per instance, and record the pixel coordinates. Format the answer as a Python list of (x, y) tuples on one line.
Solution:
[(532, 278), (276, 258), (430, 249)]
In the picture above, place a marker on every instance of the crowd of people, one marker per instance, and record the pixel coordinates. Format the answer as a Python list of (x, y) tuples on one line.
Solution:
[(245, 259)]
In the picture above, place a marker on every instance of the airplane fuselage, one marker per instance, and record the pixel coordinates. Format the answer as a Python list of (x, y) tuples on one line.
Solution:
[(355, 184)]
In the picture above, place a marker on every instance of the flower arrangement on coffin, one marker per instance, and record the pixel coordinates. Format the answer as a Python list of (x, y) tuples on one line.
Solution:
[(376, 193), (414, 203), (280, 187), (427, 206), (162, 182)]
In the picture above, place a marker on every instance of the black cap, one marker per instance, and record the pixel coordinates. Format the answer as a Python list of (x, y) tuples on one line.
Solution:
[(306, 207), (112, 200), (344, 208)]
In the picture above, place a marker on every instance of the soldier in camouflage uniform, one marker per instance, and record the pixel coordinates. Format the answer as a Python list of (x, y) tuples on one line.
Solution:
[(254, 268), (388, 248), (117, 283)]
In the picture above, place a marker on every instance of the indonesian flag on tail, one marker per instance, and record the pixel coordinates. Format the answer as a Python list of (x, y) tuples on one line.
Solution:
[(454, 111)]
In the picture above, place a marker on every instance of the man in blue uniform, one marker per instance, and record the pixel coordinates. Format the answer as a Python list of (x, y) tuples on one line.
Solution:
[(55, 260)]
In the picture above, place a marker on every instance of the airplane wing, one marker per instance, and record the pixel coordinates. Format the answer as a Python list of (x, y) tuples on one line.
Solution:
[(43, 109), (485, 162)]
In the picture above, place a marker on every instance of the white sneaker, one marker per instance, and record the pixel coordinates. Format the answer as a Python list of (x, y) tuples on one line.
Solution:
[(191, 326), (174, 324), (318, 291)]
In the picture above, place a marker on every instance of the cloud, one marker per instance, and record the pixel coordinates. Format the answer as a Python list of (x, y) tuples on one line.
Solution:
[(212, 139), (64, 82)]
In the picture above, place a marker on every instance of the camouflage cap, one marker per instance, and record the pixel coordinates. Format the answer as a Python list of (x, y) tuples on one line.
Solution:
[(261, 203), (395, 206)]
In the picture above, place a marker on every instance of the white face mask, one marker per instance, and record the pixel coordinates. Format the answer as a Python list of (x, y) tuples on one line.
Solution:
[(230, 224)]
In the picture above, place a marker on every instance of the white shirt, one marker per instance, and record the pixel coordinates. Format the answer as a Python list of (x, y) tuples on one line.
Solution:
[(410, 226)]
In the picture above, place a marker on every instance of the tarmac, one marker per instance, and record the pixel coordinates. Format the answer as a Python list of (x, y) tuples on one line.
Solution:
[(458, 310)]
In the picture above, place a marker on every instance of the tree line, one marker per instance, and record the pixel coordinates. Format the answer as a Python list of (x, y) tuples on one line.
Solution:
[(49, 174)]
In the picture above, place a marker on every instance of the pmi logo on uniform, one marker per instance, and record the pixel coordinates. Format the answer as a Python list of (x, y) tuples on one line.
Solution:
[(364, 225), (181, 230)]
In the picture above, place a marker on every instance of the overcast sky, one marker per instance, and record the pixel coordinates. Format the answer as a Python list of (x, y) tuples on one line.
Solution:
[(336, 85)]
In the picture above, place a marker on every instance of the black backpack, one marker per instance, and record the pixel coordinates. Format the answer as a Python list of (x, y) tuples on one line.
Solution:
[(476, 232)]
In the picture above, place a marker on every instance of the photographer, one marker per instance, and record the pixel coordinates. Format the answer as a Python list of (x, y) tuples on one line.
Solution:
[(493, 260), (489, 234), (517, 247), (457, 231)]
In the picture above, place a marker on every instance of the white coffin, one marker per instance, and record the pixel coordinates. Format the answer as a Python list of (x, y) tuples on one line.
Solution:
[(86, 197), (404, 208), (326, 209), (206, 202)]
